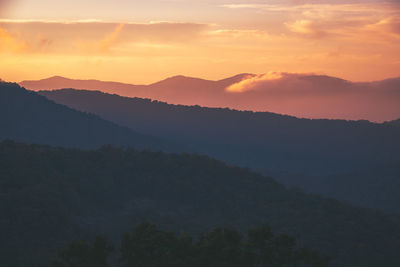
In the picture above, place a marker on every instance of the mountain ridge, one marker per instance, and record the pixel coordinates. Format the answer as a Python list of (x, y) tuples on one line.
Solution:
[(301, 95), (312, 154), (179, 76), (29, 117)]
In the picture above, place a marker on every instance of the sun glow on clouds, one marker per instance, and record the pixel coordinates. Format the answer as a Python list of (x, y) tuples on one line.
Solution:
[(104, 45), (8, 43), (250, 82), (353, 39)]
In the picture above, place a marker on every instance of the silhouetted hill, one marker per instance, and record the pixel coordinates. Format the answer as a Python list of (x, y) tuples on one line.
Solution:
[(300, 95), (49, 196), (61, 82), (325, 156), (376, 186), (395, 122), (177, 89), (176, 83), (29, 117)]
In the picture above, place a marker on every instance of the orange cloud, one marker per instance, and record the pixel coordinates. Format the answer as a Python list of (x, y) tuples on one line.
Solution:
[(306, 27), (8, 43), (367, 43), (283, 83), (389, 26), (111, 39), (251, 82), (99, 37), (317, 19)]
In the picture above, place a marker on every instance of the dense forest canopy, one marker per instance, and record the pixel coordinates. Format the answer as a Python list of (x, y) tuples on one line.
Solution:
[(148, 246), (50, 196)]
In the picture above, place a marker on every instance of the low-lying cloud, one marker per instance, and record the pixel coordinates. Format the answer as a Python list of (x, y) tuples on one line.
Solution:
[(254, 82), (316, 96), (282, 83), (306, 27)]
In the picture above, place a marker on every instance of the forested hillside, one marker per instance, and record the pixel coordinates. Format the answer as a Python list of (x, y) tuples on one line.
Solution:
[(354, 161), (29, 117), (50, 196)]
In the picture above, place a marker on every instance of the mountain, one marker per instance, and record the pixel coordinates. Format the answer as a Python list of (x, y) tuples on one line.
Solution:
[(29, 117), (300, 95), (50, 196), (374, 186), (177, 89), (61, 82), (331, 157), (395, 122), (173, 84)]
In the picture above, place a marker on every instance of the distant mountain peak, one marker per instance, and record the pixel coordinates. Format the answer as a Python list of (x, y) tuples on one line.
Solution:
[(241, 76), (322, 78), (56, 77), (180, 78)]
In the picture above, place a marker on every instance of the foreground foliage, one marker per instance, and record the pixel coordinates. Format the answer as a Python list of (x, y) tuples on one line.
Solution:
[(51, 196), (147, 246)]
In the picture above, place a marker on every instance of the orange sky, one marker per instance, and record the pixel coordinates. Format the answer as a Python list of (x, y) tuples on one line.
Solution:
[(137, 42)]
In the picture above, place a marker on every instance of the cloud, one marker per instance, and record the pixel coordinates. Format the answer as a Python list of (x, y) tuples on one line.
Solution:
[(8, 43), (322, 6), (3, 5), (366, 21), (389, 26), (316, 96), (282, 83), (111, 39), (98, 37), (103, 45), (251, 82), (320, 19), (306, 27), (240, 34)]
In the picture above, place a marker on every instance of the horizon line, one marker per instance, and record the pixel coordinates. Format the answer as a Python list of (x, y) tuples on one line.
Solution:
[(205, 79)]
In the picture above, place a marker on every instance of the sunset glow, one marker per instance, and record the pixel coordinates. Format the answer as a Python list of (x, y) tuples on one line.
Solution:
[(144, 42)]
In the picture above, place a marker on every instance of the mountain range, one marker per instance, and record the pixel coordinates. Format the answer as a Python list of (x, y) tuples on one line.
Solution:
[(300, 95), (51, 195), (354, 161)]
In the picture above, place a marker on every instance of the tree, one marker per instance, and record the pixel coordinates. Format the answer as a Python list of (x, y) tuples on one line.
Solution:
[(222, 247), (280, 251), (83, 254), (147, 246)]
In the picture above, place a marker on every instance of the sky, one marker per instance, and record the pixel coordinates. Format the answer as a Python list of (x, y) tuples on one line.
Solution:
[(146, 41)]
